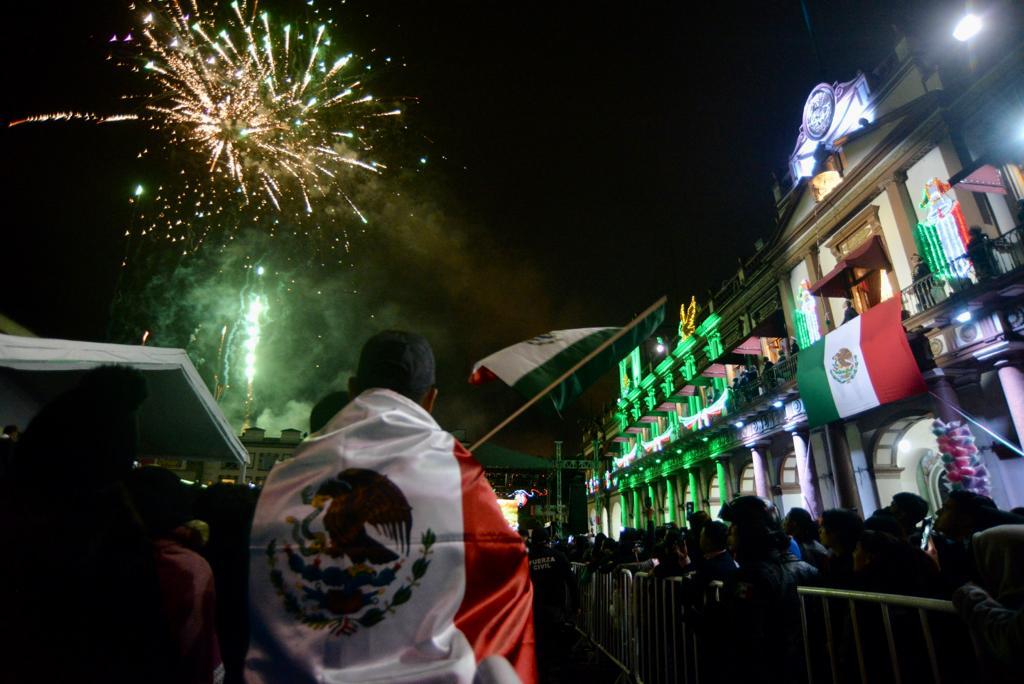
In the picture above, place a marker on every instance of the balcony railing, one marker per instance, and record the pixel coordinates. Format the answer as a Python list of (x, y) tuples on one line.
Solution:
[(985, 262), (767, 382)]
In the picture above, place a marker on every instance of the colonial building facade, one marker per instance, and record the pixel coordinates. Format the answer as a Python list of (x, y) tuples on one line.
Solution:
[(889, 174), (264, 453)]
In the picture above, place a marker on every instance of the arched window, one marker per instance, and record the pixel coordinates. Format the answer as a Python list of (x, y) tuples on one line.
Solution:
[(747, 482), (789, 483), (714, 502), (789, 479)]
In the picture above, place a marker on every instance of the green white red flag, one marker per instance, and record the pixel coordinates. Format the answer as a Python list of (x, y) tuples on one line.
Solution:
[(532, 366), (862, 364)]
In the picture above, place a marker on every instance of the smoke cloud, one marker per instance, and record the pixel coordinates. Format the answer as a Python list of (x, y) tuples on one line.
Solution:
[(416, 266)]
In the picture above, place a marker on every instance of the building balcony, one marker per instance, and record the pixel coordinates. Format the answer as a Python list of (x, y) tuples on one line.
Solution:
[(983, 266), (767, 385)]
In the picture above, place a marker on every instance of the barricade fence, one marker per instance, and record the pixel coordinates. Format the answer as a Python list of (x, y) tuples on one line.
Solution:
[(639, 622)]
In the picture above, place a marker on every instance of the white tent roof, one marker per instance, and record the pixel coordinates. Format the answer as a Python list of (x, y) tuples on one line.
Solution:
[(179, 418)]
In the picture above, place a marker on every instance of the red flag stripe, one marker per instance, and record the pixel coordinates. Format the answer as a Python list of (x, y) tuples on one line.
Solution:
[(894, 371), (482, 375), (496, 614)]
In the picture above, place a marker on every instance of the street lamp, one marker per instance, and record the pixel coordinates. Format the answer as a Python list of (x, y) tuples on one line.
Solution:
[(968, 27)]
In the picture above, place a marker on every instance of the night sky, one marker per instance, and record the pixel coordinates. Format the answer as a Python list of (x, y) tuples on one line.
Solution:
[(584, 158)]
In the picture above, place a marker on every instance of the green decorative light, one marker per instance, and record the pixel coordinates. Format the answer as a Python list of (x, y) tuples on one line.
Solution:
[(928, 244), (709, 323)]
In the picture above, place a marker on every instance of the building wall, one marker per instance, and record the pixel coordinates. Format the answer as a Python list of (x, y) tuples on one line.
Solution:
[(893, 243)]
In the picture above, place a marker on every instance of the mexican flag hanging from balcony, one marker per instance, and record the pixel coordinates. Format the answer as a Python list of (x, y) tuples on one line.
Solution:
[(532, 366), (862, 364)]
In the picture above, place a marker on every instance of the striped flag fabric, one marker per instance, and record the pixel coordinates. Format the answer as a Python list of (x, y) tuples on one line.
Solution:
[(862, 364), (532, 366), (379, 553)]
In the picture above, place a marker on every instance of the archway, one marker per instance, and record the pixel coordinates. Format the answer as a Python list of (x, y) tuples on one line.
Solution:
[(789, 483), (714, 502), (748, 485), (615, 522), (906, 459)]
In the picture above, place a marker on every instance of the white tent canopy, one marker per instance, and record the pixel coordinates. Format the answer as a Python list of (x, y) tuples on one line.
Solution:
[(178, 420)]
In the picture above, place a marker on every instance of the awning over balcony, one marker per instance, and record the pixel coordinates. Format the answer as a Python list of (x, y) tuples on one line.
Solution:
[(984, 178), (687, 391), (715, 370), (837, 283)]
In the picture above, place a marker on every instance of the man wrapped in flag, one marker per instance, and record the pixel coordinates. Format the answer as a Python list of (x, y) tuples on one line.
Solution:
[(378, 553)]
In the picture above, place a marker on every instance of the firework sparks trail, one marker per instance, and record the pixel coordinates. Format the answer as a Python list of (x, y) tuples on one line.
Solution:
[(73, 116), (257, 308), (283, 127), (218, 385), (274, 116)]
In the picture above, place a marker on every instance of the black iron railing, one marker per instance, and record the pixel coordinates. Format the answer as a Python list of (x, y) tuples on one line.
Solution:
[(745, 394), (985, 261)]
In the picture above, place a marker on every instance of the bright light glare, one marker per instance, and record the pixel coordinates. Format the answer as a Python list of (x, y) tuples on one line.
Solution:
[(963, 317), (967, 28), (904, 445)]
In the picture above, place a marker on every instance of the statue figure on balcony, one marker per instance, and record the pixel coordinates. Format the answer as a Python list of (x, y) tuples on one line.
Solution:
[(942, 237)]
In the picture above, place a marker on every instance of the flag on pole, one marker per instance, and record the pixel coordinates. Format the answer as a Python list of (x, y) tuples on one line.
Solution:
[(532, 366), (379, 553), (862, 364)]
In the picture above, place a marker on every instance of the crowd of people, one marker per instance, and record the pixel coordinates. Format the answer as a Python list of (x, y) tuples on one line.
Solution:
[(739, 579), (120, 572), (133, 576), (116, 573)]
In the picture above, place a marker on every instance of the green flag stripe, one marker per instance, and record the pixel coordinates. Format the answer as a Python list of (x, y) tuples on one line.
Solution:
[(536, 380), (814, 387), (542, 376)]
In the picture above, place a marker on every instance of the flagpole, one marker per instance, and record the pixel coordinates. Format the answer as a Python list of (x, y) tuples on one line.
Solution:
[(607, 343)]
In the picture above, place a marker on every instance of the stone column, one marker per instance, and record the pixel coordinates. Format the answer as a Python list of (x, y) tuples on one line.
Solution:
[(757, 453), (652, 495), (670, 499), (805, 473), (724, 493), (842, 466), (695, 492), (634, 518), (940, 383), (821, 303), (903, 209), (1011, 379)]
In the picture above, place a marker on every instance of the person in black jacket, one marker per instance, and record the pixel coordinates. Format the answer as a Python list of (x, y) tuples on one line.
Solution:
[(555, 597), (717, 563), (840, 531), (849, 313), (761, 597), (801, 527)]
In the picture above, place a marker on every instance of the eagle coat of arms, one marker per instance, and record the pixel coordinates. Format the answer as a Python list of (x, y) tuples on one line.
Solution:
[(844, 366), (341, 577)]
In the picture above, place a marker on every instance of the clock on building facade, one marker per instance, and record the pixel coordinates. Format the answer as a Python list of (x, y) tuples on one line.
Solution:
[(819, 110)]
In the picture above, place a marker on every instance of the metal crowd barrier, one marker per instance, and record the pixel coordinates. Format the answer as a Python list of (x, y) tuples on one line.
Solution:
[(637, 621), (924, 638)]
